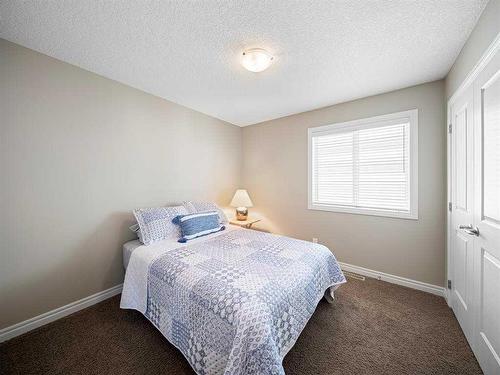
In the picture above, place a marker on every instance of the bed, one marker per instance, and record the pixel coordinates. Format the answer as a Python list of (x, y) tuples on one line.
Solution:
[(233, 302)]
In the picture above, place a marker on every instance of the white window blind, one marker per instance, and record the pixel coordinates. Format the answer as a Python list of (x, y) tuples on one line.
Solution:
[(365, 166)]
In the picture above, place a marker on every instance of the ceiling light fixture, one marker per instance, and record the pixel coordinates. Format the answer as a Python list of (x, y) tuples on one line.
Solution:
[(256, 59)]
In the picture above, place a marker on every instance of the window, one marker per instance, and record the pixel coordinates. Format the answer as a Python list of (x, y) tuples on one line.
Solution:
[(367, 166)]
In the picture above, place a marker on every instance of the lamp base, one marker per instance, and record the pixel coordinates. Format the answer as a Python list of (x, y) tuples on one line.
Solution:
[(241, 213)]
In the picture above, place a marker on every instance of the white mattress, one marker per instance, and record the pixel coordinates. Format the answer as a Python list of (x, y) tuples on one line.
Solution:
[(128, 248)]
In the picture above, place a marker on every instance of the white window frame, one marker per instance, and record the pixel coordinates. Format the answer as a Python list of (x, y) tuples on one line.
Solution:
[(393, 118)]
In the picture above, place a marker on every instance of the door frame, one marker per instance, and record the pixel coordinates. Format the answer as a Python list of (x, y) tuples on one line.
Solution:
[(468, 81)]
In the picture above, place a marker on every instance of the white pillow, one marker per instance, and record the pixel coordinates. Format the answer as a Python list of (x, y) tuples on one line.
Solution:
[(155, 223), (193, 207)]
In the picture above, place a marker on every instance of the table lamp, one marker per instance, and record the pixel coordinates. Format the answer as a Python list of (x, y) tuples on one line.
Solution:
[(241, 201)]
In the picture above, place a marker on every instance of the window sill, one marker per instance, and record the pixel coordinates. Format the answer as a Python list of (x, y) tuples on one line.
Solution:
[(365, 211)]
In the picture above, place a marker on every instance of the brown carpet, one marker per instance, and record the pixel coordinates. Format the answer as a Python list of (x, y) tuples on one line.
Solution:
[(374, 328)]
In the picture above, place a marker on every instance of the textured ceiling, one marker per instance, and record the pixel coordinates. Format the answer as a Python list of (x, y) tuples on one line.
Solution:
[(188, 52)]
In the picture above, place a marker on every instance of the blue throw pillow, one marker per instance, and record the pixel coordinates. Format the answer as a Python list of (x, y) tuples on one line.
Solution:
[(193, 207), (198, 224)]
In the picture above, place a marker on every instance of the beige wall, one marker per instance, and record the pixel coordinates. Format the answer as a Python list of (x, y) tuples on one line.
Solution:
[(275, 174), (77, 153), (485, 31)]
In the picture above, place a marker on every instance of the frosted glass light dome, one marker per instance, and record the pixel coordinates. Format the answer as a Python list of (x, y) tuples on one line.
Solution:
[(256, 60)]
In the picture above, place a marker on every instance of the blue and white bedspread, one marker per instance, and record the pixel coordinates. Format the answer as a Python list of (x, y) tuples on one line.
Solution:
[(236, 303)]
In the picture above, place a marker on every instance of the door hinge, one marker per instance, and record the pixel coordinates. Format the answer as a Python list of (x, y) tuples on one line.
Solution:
[(449, 128), (449, 284), (449, 206)]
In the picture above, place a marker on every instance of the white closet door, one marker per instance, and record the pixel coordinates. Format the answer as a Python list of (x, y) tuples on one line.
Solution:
[(487, 216), (462, 244)]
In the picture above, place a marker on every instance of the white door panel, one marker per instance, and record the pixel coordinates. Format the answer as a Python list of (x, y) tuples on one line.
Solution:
[(490, 295), (475, 193), (487, 217), (462, 257), (487, 326), (462, 153), (491, 152), (462, 264)]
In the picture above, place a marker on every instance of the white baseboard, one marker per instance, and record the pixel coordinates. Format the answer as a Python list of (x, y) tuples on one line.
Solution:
[(414, 284), (447, 296), (40, 320)]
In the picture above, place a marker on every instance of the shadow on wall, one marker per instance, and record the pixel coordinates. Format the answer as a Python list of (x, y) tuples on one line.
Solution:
[(266, 224)]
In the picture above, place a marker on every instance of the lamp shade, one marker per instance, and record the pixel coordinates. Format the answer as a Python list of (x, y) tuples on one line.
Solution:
[(241, 199)]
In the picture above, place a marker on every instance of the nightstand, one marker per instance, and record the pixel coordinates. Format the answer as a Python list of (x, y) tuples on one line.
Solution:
[(244, 223)]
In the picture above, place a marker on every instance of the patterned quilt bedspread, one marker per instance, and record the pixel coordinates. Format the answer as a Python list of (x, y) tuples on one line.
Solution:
[(236, 303)]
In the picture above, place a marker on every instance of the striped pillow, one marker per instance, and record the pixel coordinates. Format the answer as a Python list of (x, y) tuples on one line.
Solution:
[(198, 224)]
